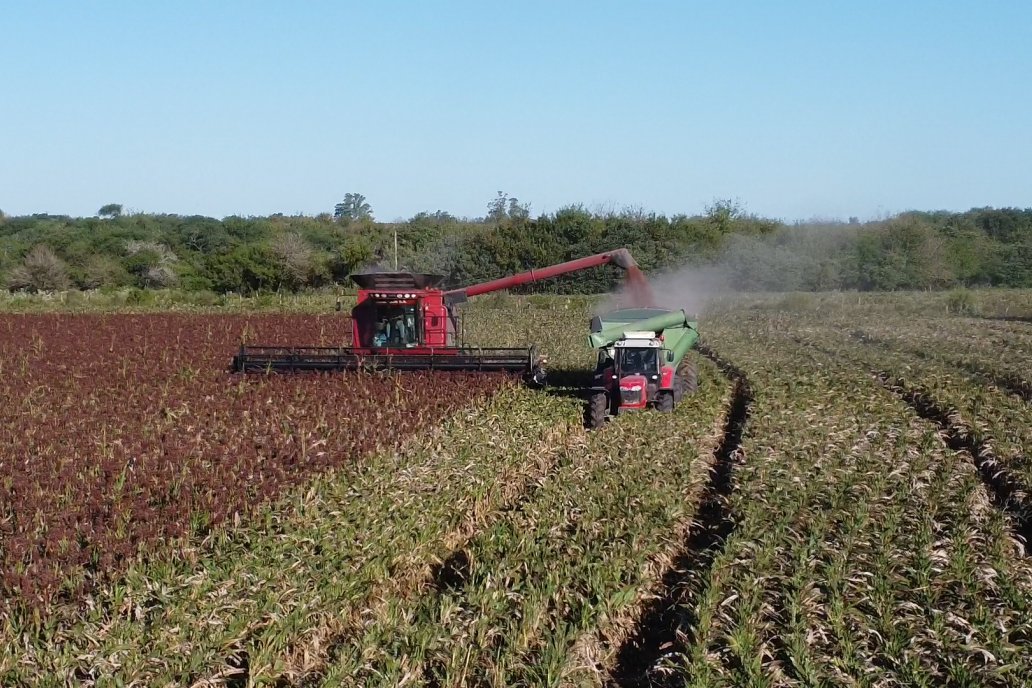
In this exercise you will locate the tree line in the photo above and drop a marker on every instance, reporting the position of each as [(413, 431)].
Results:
[(113, 250)]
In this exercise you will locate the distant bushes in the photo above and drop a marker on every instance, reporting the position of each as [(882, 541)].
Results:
[(914, 250), (41, 270)]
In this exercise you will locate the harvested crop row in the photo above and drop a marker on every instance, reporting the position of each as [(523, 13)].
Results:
[(1002, 360), (1005, 492), (865, 551), (515, 482), (254, 601), (1000, 424), (526, 589)]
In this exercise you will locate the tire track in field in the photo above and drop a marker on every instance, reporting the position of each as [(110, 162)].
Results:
[(453, 572), (596, 651), (1005, 491), (670, 614), (1023, 319), (1008, 382), (583, 649)]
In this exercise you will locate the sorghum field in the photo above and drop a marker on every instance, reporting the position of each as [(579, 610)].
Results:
[(845, 501)]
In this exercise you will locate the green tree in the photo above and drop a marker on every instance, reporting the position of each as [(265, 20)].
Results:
[(249, 268), (517, 211), (103, 271), (353, 207), (497, 208), (504, 209), (111, 210)]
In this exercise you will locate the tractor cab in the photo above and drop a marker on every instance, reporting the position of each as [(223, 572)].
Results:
[(637, 357), (631, 369), (395, 325)]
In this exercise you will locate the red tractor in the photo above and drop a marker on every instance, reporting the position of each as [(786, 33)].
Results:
[(405, 321), (641, 361)]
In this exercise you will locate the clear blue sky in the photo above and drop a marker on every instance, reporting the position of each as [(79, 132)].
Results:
[(798, 109)]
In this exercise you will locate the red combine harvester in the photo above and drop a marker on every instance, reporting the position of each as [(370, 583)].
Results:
[(405, 321)]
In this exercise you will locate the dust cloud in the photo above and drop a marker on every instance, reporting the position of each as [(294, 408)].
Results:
[(802, 257), (688, 288)]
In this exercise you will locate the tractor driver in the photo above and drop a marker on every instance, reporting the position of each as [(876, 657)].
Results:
[(640, 361), (410, 329)]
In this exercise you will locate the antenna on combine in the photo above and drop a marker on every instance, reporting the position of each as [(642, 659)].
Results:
[(395, 250)]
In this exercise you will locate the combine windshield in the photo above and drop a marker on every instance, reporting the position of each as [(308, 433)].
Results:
[(638, 361), (395, 326)]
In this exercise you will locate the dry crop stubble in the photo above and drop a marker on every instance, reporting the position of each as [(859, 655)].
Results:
[(993, 423), (521, 469), (863, 544), (575, 555)]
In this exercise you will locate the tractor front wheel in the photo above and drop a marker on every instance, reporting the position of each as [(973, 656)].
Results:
[(598, 409), (666, 402)]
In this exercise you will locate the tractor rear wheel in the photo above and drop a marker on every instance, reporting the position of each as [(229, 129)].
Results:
[(598, 409)]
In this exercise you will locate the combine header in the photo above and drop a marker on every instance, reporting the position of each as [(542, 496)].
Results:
[(405, 321)]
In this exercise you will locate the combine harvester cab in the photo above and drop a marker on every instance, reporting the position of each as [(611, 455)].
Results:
[(405, 321), (641, 361)]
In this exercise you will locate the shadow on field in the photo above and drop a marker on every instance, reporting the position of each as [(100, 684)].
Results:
[(572, 383), (569, 382), (1026, 319)]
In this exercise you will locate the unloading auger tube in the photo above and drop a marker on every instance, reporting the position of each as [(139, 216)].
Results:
[(405, 321), (621, 257)]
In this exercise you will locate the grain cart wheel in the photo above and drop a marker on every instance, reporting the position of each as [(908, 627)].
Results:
[(598, 409), (689, 379), (666, 402)]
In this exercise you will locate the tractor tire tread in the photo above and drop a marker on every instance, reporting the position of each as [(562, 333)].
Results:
[(666, 402), (689, 379), (598, 410)]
